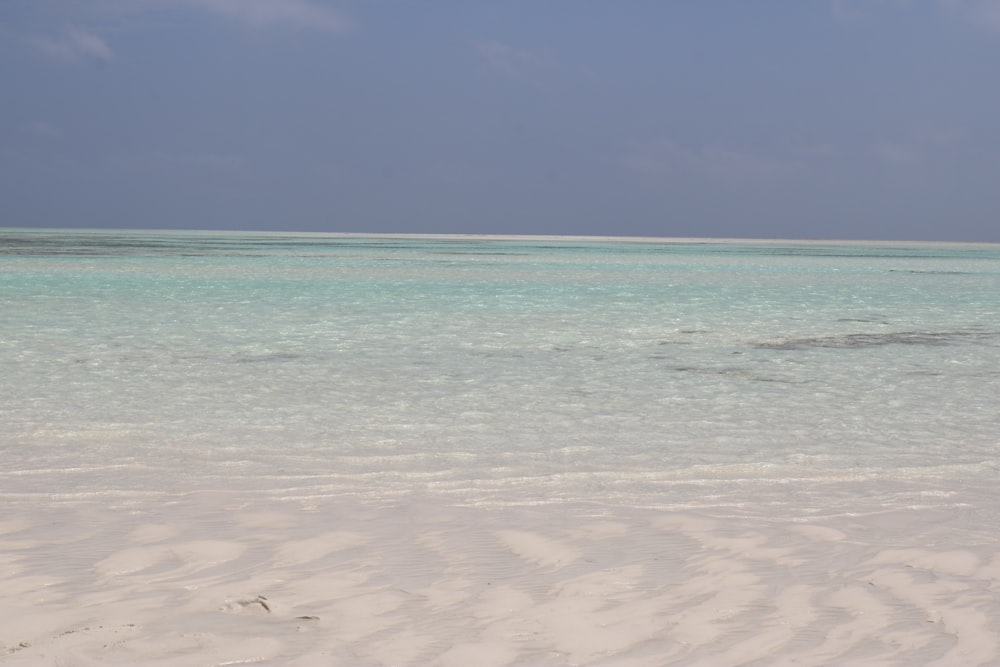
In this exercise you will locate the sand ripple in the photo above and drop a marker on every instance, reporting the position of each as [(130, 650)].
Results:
[(340, 584)]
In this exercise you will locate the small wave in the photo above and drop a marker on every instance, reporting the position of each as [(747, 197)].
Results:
[(277, 357)]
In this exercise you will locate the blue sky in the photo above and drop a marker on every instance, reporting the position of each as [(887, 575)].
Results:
[(875, 119)]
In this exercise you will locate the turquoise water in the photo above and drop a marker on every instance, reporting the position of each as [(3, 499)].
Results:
[(496, 371)]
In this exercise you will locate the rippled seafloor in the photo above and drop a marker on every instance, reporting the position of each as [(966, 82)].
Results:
[(498, 371)]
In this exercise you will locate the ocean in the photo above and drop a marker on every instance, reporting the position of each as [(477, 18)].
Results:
[(751, 384)]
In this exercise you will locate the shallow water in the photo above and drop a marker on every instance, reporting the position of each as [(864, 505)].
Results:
[(490, 370)]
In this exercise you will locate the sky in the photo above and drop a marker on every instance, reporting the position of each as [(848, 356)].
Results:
[(816, 119)]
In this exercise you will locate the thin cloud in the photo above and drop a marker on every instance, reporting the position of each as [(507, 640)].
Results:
[(528, 68), (896, 153), (506, 59), (214, 164), (212, 161), (72, 45), (665, 160), (984, 14), (844, 11), (852, 11), (920, 145), (43, 129), (817, 151), (266, 13)]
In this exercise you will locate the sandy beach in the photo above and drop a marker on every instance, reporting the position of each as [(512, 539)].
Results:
[(224, 579), (232, 449)]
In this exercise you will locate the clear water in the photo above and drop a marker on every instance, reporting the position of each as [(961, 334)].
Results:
[(484, 371)]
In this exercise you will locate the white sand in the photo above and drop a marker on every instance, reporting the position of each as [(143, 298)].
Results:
[(222, 580)]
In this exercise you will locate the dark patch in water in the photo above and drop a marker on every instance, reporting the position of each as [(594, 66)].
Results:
[(471, 252), (932, 273), (736, 373), (861, 320), (862, 340), (277, 357)]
